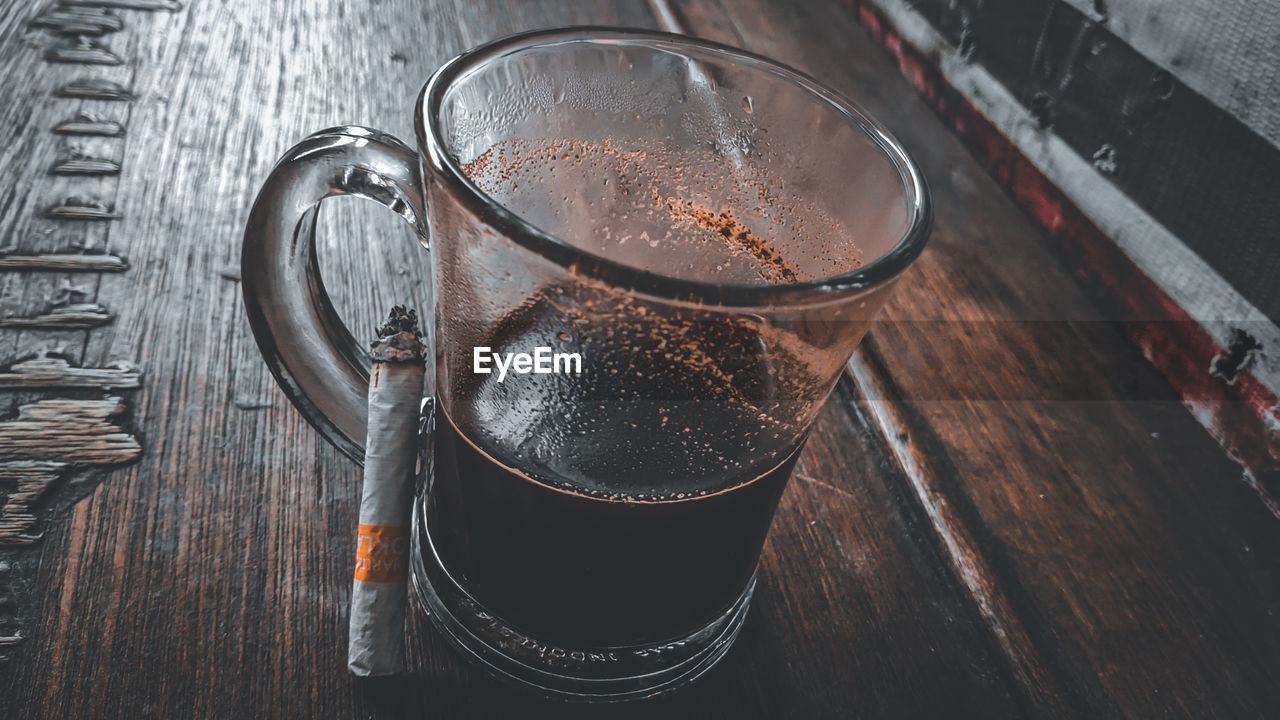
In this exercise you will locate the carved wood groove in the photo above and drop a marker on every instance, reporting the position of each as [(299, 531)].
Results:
[(165, 5), (79, 21), (85, 52), (53, 373), (90, 126), (63, 262), (94, 89), (86, 166), (80, 316), (82, 211)]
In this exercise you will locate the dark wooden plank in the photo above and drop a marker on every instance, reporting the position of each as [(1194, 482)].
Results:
[(1079, 501), (212, 577)]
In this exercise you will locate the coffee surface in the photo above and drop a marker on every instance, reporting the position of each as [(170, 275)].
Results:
[(666, 407)]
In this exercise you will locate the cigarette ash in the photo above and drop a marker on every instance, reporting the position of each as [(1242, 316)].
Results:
[(399, 339)]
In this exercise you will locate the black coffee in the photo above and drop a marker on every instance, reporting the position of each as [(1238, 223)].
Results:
[(579, 571), (624, 506)]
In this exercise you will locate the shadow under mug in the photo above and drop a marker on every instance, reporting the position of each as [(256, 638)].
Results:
[(595, 534)]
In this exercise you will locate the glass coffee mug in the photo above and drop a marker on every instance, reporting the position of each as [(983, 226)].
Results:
[(651, 257)]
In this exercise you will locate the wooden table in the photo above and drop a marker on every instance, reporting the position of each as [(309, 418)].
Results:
[(1003, 509)]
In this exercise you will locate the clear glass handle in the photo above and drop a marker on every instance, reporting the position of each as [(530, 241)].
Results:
[(320, 367)]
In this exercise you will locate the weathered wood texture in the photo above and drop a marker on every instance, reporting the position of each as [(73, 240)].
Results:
[(28, 480), (56, 373), (51, 260), (44, 440), (61, 426), (48, 453), (1019, 542), (77, 431), (71, 20)]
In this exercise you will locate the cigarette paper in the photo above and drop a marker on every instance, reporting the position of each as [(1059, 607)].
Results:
[(376, 640)]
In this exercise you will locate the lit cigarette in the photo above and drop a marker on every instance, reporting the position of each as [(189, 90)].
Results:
[(376, 640)]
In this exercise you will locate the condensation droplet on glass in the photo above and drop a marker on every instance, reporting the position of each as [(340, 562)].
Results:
[(748, 105)]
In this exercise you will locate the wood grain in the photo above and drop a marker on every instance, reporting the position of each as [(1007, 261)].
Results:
[(85, 166), (162, 5), (88, 125), (94, 89), (1045, 89), (83, 51)]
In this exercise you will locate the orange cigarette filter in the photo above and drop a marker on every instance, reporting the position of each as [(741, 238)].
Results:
[(382, 553)]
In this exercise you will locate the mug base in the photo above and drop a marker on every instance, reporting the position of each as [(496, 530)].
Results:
[(595, 674)]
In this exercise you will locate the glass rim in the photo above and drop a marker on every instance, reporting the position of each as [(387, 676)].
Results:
[(597, 266)]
